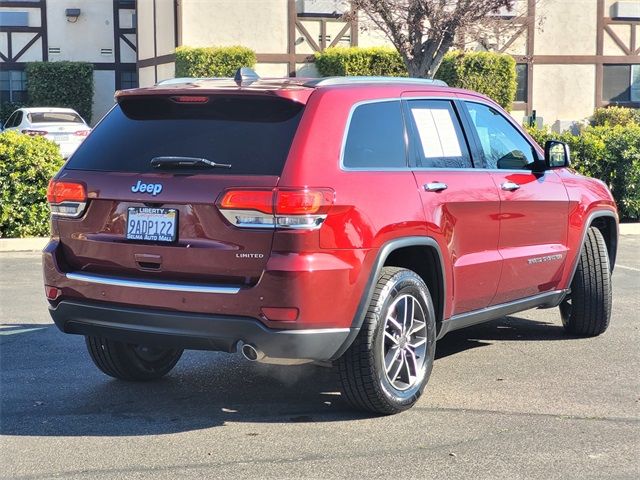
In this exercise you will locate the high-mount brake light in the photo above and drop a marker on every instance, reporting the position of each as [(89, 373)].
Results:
[(34, 133), (66, 199), (302, 208), (190, 99)]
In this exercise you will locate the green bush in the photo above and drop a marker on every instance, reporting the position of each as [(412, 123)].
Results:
[(374, 61), (492, 74), (61, 84), (611, 116), (26, 165), (7, 108), (212, 61), (609, 153)]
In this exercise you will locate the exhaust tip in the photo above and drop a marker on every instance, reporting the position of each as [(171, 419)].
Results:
[(251, 353)]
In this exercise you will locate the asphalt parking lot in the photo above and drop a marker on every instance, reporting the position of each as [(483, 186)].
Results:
[(514, 398)]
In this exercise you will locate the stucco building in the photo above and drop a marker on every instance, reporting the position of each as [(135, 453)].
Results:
[(102, 32), (572, 55)]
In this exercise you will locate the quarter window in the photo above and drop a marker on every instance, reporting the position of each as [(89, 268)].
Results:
[(376, 137), (503, 146), (440, 142)]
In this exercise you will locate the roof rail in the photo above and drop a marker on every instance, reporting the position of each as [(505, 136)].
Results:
[(331, 81)]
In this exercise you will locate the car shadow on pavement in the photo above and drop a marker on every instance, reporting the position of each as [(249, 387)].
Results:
[(50, 387), (505, 329)]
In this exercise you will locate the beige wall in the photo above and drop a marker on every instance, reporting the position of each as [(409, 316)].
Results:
[(103, 82), (563, 92), (146, 76), (258, 24), (568, 28), (145, 29), (267, 70), (82, 40), (166, 71), (165, 27)]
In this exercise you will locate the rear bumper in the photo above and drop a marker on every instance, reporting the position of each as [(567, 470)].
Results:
[(195, 331)]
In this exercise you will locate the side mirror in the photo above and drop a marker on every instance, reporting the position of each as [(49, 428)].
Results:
[(556, 154)]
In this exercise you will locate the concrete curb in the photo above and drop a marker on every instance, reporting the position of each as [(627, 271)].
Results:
[(630, 229), (31, 244), (34, 244)]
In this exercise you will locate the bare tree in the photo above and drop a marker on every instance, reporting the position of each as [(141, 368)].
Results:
[(424, 30)]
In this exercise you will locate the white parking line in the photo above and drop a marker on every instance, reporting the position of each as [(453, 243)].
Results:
[(6, 331), (628, 268)]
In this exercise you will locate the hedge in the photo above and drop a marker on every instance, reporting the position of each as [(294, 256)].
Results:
[(611, 116), (7, 108), (609, 153), (492, 74), (61, 84), (212, 61), (26, 165), (374, 61)]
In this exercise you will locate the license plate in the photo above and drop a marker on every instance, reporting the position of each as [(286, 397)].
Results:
[(152, 224), (61, 138)]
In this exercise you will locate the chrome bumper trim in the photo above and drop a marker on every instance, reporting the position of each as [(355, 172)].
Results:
[(151, 285)]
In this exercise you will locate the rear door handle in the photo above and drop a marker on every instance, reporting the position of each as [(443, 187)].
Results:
[(435, 186), (509, 186)]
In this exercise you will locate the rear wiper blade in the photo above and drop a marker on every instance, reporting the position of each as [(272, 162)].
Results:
[(185, 162)]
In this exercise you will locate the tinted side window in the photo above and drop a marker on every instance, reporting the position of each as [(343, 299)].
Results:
[(503, 146), (376, 137), (10, 120), (18, 119), (440, 141)]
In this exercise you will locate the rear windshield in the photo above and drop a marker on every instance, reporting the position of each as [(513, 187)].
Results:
[(252, 134), (54, 117)]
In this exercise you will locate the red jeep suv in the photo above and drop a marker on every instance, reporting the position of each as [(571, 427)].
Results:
[(347, 221)]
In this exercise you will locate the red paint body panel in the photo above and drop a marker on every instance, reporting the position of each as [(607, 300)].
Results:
[(464, 219), (486, 235), (533, 225)]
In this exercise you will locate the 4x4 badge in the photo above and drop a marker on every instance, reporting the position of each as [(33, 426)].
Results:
[(152, 188)]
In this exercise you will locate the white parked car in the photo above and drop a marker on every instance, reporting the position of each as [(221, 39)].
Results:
[(62, 125)]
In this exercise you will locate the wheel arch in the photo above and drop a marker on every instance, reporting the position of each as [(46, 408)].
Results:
[(406, 253), (607, 222)]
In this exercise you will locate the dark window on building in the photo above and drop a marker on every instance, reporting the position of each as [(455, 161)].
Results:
[(522, 82), (128, 80), (14, 19), (621, 83), (376, 137), (13, 86)]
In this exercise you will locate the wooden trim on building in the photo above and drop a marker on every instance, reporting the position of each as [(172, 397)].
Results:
[(155, 61), (9, 58), (120, 34)]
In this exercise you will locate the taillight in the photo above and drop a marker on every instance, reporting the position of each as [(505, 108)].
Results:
[(304, 208), (34, 133), (82, 133), (66, 199)]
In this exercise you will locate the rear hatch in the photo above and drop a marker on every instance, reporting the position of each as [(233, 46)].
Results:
[(128, 226)]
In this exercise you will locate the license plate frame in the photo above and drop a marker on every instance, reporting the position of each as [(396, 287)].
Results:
[(151, 224)]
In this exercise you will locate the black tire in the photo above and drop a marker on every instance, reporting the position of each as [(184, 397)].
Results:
[(131, 362), (587, 310), (366, 385)]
